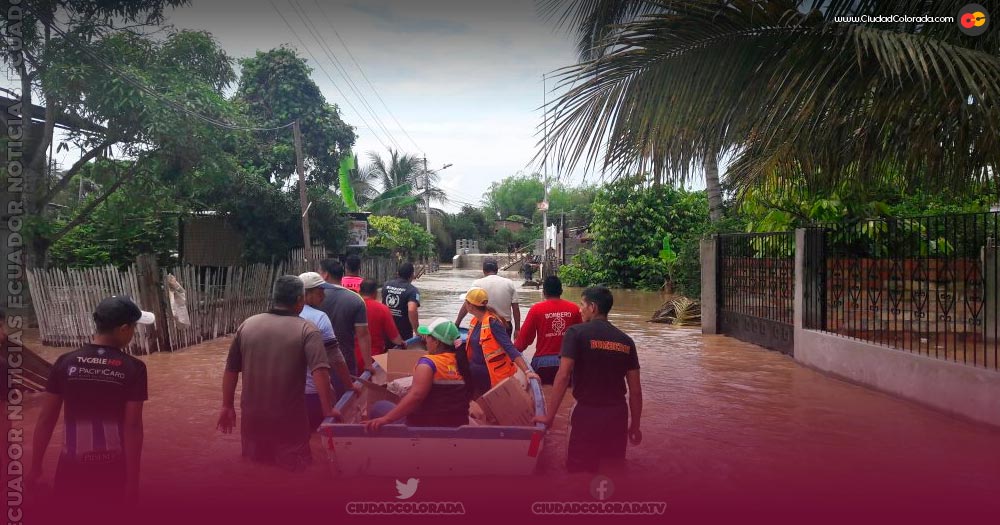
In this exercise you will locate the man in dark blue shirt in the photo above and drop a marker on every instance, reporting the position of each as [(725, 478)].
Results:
[(103, 389), (604, 365)]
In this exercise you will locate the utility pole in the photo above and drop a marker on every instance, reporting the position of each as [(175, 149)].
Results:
[(427, 195), (303, 199), (545, 167)]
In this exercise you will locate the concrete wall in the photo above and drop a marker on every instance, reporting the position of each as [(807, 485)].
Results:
[(471, 261), (963, 390), (959, 389), (709, 304)]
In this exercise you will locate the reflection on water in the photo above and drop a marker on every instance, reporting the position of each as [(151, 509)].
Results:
[(721, 418)]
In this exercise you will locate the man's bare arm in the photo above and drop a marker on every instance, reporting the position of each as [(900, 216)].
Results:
[(321, 378), (365, 343), (412, 312), (634, 405), (227, 418), (51, 406), (462, 312)]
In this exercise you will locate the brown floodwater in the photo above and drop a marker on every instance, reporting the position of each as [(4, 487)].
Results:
[(727, 425)]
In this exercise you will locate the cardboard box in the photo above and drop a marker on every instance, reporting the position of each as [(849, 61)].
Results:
[(395, 364), (370, 394), (507, 404)]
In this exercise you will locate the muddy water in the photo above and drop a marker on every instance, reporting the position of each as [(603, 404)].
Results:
[(725, 423)]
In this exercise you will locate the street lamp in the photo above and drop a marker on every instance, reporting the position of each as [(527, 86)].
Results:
[(427, 190)]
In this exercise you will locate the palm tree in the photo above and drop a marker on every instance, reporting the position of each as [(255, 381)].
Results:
[(398, 178), (779, 86)]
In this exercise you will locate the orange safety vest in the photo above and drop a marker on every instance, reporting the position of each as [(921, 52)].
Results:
[(447, 404), (446, 369), (498, 363)]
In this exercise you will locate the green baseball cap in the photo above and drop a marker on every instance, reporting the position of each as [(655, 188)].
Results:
[(441, 329)]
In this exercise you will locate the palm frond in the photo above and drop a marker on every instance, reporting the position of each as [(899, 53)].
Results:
[(780, 84)]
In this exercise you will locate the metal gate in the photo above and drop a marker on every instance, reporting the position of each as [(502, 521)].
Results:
[(756, 276)]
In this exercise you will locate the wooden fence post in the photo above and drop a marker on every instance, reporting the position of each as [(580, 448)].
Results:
[(151, 297)]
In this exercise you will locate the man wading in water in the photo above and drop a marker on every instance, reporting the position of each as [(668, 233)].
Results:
[(103, 389), (271, 350), (601, 360)]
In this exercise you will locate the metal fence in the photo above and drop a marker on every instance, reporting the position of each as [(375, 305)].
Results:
[(756, 279), (926, 285)]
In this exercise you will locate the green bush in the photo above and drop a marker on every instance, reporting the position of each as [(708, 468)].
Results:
[(400, 237), (630, 219)]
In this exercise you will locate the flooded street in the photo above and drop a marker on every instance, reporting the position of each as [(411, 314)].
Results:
[(725, 424)]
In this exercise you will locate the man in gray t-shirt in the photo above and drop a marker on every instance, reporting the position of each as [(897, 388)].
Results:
[(271, 350), (348, 314)]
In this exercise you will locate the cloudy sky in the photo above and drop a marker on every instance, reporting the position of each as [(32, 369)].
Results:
[(463, 79)]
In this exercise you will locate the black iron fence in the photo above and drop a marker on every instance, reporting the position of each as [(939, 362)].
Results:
[(926, 285), (756, 279)]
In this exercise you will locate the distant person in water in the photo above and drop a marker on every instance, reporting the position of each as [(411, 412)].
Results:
[(346, 311), (441, 391), (547, 323), (352, 274), (380, 323), (313, 285), (271, 350), (604, 365), (403, 300), (503, 297), (103, 389)]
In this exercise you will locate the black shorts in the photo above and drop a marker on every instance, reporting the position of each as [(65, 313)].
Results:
[(596, 433), (547, 374)]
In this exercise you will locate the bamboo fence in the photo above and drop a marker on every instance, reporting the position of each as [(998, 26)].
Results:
[(217, 299)]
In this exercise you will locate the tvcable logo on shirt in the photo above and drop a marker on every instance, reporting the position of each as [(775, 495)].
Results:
[(99, 361)]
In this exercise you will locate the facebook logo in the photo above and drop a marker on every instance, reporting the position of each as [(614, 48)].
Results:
[(601, 488)]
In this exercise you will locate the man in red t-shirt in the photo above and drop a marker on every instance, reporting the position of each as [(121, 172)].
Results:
[(548, 321), (352, 278), (380, 324)]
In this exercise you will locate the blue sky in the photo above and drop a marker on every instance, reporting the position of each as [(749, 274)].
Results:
[(464, 79)]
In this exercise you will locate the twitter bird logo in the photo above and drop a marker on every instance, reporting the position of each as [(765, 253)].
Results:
[(408, 489)]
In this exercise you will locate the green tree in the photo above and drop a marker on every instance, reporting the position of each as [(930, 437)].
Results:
[(631, 218), (139, 218), (276, 88), (777, 85), (401, 182), (57, 69), (399, 237), (519, 195)]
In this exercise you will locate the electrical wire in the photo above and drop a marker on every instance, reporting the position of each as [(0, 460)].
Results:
[(327, 74), (339, 66), (365, 76)]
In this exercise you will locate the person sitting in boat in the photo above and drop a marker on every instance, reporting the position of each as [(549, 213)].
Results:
[(440, 394), (492, 355)]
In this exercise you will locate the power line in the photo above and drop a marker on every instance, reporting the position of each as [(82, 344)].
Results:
[(326, 49), (323, 69), (150, 91), (365, 76)]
